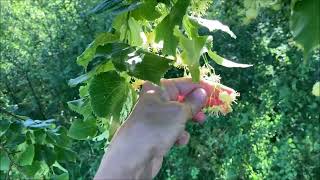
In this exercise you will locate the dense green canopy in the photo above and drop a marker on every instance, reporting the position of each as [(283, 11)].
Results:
[(63, 64)]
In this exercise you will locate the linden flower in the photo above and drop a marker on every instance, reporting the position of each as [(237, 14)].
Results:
[(137, 84), (206, 74), (221, 99)]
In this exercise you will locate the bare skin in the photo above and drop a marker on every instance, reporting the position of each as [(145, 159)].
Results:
[(156, 123)]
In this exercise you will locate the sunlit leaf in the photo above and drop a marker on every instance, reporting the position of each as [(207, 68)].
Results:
[(212, 25), (316, 89), (192, 48), (151, 67), (164, 31), (225, 62), (89, 53), (135, 33)]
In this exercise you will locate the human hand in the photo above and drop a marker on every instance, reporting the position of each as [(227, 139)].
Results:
[(156, 123)]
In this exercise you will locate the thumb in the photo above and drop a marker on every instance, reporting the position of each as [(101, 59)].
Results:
[(196, 100)]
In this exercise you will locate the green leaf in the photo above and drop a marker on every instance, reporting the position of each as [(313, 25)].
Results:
[(4, 126), (108, 92), (128, 105), (57, 165), (126, 8), (104, 67), (89, 53), (143, 65), (40, 136), (63, 176), (13, 138), (192, 50), (25, 157), (65, 155), (37, 170), (45, 153), (135, 33), (84, 91), (4, 161), (82, 130), (105, 5), (225, 62), (60, 137), (31, 170), (164, 30), (152, 67), (212, 25), (114, 7), (118, 52), (146, 11), (81, 106), (78, 80), (305, 24)]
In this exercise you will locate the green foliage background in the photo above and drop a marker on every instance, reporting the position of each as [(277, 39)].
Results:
[(273, 132)]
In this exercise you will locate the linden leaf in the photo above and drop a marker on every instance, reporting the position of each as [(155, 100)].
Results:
[(108, 92), (151, 67), (89, 53)]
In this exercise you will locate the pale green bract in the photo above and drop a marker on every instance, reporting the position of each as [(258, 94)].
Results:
[(225, 62)]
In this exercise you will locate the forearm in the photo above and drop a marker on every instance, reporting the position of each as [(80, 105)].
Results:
[(127, 158)]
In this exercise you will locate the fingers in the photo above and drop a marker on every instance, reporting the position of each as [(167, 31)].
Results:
[(170, 88), (200, 117), (150, 88), (183, 138), (156, 163), (184, 91), (179, 87), (196, 100)]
